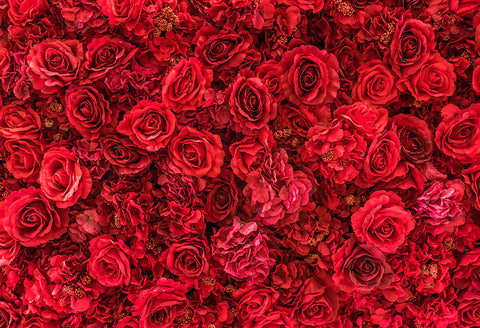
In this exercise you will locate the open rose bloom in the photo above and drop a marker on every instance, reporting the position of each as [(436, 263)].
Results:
[(239, 163)]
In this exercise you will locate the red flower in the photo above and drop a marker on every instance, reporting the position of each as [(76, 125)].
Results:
[(62, 178), (361, 268), (30, 218), (383, 222), (310, 76), (110, 261), (150, 125), (197, 153), (54, 64), (160, 305), (184, 86)]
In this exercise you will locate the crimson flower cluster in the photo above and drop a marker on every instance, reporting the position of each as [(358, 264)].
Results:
[(239, 163)]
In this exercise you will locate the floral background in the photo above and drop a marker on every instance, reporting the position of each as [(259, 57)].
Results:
[(239, 163)]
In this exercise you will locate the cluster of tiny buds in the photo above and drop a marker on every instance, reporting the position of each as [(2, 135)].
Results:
[(55, 106), (387, 37), (344, 7), (165, 22), (187, 317), (449, 245), (328, 156), (175, 60), (311, 259), (153, 247)]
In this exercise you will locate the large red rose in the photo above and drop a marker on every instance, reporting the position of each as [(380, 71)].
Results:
[(316, 304), (223, 197), (183, 87), (375, 84), (251, 104), (125, 157), (187, 258), (435, 79), (24, 159), (87, 110), (310, 76), (31, 219), (381, 160), (254, 302), (472, 180), (54, 64), (458, 134), (415, 137), (412, 44), (250, 153), (160, 305), (62, 178), (110, 261), (383, 222), (19, 122), (221, 49), (24, 12), (150, 125), (197, 153), (360, 268), (104, 55)]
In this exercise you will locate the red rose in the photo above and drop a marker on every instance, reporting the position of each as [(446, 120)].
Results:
[(269, 73), (469, 308), (24, 158), (310, 76), (435, 79), (368, 121), (110, 261), (10, 314), (250, 153), (9, 247), (222, 198), (221, 49), (19, 122), (62, 178), (316, 304), (411, 46), (375, 84), (150, 125), (124, 13), (31, 218), (183, 87), (383, 222), (87, 110), (187, 258), (381, 160), (53, 64), (160, 305), (252, 105), (242, 252), (197, 153), (125, 157), (301, 118), (254, 302), (466, 273), (415, 137), (360, 268), (23, 12), (104, 55), (458, 134), (471, 177)]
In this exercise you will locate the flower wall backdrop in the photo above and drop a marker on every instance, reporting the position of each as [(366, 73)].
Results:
[(239, 163)]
